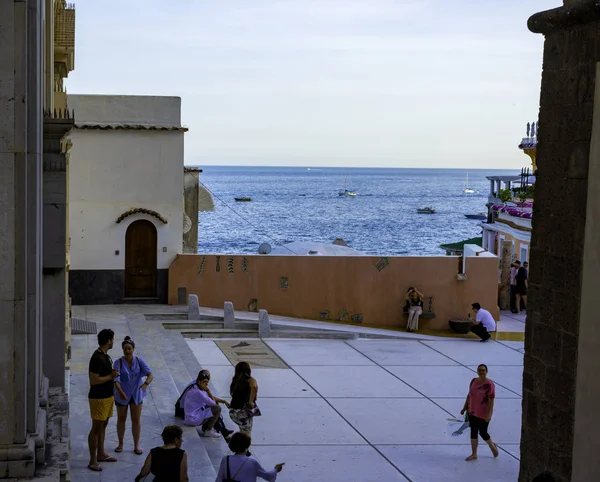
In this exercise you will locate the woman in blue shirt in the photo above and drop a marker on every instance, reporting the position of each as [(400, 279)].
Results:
[(130, 390)]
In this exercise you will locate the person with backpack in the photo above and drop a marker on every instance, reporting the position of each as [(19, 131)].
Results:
[(130, 389), (240, 467), (200, 407)]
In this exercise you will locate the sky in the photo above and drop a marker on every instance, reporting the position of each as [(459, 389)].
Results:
[(348, 83)]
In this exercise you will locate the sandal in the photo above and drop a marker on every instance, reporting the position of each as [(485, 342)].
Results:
[(108, 459), (471, 457), (95, 468), (138, 451), (119, 449)]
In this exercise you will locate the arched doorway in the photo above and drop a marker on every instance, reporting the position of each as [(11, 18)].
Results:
[(140, 260)]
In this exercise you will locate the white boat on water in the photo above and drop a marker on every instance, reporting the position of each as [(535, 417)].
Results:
[(467, 189), (426, 210), (345, 191)]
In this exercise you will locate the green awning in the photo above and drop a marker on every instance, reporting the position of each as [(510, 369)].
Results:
[(460, 246)]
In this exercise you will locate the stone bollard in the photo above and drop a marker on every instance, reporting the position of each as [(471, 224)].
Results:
[(264, 325), (228, 316), (193, 307)]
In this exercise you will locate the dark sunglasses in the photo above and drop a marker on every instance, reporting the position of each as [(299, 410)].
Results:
[(204, 376)]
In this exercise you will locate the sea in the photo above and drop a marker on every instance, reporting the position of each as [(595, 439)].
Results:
[(302, 204)]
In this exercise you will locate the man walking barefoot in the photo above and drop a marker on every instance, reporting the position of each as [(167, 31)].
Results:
[(101, 398)]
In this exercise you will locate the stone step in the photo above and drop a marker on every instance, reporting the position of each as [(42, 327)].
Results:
[(314, 334), (222, 333)]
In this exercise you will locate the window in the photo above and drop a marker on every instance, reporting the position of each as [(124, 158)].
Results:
[(524, 253)]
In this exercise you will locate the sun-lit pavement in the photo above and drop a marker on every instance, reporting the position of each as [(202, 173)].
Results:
[(357, 410)]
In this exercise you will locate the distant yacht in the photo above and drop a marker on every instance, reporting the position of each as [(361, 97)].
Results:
[(345, 191), (467, 189), (479, 216), (426, 210)]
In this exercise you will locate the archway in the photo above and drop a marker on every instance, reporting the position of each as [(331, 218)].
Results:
[(140, 260)]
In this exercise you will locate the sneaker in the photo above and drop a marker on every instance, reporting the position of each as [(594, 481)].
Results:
[(211, 433), (485, 339)]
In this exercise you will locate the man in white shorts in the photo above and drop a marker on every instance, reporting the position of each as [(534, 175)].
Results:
[(485, 322)]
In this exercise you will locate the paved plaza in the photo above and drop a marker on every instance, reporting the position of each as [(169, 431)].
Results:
[(337, 410)]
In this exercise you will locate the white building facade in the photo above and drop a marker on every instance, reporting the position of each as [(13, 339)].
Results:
[(125, 197)]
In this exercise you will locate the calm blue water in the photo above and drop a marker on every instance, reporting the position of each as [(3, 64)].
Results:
[(296, 204)]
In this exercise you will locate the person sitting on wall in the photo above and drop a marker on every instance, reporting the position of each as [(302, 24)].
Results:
[(201, 407), (414, 307), (485, 322)]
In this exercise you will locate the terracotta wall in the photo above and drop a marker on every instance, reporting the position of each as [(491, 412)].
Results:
[(335, 285)]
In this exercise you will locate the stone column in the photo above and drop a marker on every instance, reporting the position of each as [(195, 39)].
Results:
[(56, 125), (505, 256), (560, 380), (21, 70), (190, 201)]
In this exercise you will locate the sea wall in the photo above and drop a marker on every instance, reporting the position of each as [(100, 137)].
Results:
[(356, 289)]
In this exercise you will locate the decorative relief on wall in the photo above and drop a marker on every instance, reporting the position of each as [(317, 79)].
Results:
[(149, 212), (343, 315), (201, 266), (382, 263), (230, 265), (218, 268), (430, 304), (245, 265), (253, 305), (357, 318), (284, 282)]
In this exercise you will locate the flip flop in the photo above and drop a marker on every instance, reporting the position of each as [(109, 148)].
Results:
[(95, 468), (138, 451), (108, 459), (471, 457), (119, 449)]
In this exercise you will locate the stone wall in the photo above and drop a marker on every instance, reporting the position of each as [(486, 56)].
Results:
[(552, 344)]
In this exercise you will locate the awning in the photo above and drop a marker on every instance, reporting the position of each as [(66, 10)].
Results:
[(460, 246)]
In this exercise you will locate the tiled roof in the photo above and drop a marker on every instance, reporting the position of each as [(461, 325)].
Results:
[(128, 127)]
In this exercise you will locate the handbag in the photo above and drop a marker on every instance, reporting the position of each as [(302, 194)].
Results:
[(232, 479), (253, 412)]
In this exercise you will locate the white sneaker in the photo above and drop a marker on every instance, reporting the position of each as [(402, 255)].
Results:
[(211, 433)]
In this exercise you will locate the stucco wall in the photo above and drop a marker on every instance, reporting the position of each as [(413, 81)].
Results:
[(111, 172), (336, 283), (126, 109)]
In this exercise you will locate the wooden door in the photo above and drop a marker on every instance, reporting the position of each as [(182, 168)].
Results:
[(140, 260)]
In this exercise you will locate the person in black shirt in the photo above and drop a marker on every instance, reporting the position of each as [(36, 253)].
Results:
[(101, 398), (521, 288), (167, 463)]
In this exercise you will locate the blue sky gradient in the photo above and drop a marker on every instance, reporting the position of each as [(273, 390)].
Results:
[(404, 83)]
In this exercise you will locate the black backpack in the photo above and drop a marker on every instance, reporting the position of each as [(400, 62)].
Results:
[(179, 412)]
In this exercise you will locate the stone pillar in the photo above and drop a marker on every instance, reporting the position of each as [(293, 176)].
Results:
[(560, 380), (21, 72), (56, 125), (264, 324), (193, 308), (505, 256), (190, 198), (228, 316)]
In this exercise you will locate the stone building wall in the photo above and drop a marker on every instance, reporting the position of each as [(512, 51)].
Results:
[(552, 343)]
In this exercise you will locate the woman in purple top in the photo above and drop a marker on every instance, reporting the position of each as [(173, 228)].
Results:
[(240, 467), (130, 391), (200, 407)]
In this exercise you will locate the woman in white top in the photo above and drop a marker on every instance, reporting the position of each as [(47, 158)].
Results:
[(240, 467)]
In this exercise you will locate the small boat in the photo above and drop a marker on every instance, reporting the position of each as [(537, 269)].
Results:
[(467, 189), (345, 191), (426, 210), (480, 216), (243, 199)]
